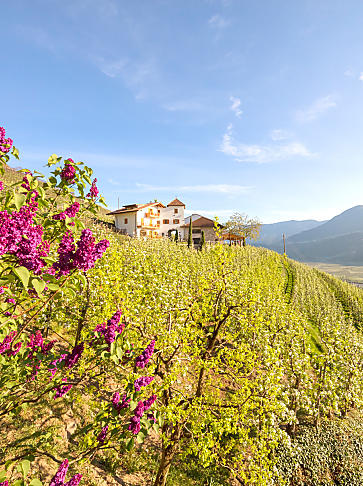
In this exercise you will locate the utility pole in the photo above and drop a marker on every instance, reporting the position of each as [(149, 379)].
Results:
[(118, 203), (283, 237)]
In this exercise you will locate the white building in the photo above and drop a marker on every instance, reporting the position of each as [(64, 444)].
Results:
[(152, 220)]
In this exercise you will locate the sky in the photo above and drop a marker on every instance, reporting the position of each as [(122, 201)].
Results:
[(250, 106)]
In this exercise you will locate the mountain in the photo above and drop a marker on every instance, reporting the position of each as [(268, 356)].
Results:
[(339, 240), (271, 234), (348, 222)]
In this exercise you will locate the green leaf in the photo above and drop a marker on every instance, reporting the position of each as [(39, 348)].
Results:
[(25, 467), (140, 437), (35, 482), (2, 475), (19, 482), (130, 444), (15, 152), (39, 286), (19, 200), (23, 274), (53, 287)]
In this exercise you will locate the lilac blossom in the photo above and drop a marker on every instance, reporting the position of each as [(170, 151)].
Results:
[(72, 358), (142, 360), (69, 171), (116, 401), (74, 481), (60, 475), (62, 390), (134, 425), (4, 483), (1, 185), (70, 212), (149, 402), (142, 381), (2, 290), (5, 143), (6, 344), (93, 192), (102, 435), (108, 330), (13, 352)]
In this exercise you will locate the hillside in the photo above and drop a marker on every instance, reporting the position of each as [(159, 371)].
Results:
[(289, 323), (271, 234)]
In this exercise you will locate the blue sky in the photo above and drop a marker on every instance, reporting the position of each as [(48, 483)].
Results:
[(252, 106)]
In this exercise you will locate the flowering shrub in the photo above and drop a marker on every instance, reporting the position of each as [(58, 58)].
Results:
[(45, 253)]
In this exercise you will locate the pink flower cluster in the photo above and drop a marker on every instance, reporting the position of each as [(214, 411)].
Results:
[(102, 435), (116, 401), (142, 360), (70, 212), (5, 345), (84, 257), (142, 381), (69, 171), (108, 330), (93, 192), (19, 236), (1, 185), (59, 477), (141, 407), (5, 143)]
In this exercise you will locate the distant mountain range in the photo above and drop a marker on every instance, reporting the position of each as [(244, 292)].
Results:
[(339, 240)]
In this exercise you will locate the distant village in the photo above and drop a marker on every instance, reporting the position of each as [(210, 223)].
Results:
[(155, 220)]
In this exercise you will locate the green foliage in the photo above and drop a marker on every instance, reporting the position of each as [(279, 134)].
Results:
[(190, 234)]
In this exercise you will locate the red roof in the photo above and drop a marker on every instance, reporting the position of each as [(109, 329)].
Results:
[(201, 222), (176, 202), (130, 208)]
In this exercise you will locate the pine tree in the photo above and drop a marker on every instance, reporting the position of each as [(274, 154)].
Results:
[(176, 238), (202, 241), (190, 236)]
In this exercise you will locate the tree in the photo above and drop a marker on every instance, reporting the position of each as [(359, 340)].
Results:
[(190, 235), (176, 238), (241, 225), (202, 241)]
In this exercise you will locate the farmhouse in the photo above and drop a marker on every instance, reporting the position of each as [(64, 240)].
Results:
[(199, 224), (151, 220)]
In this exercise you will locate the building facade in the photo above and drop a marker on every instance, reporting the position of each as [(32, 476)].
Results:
[(151, 220)]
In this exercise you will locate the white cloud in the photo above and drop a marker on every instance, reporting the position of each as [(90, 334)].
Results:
[(316, 109), (279, 134), (137, 75), (218, 22), (230, 189), (260, 154), (235, 107), (361, 77)]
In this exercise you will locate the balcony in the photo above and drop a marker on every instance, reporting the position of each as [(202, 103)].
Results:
[(152, 214), (149, 225)]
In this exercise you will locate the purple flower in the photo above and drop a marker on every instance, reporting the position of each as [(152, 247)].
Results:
[(142, 381), (102, 435), (5, 143), (1, 188), (62, 390), (74, 481), (6, 344), (93, 192), (1, 290), (134, 425), (60, 475), (4, 483), (70, 212), (116, 401), (108, 330), (10, 301), (149, 402), (142, 360), (68, 171), (16, 349), (72, 358)]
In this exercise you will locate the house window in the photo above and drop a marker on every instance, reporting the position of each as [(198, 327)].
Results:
[(126, 220), (175, 211), (165, 221), (175, 221), (195, 231)]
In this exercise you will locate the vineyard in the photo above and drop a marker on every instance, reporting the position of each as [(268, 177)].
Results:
[(150, 363)]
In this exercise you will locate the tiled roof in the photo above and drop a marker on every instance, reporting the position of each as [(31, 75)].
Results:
[(176, 202), (132, 208), (201, 222)]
